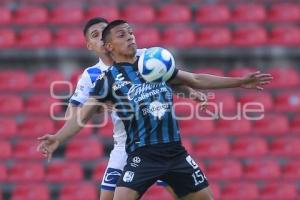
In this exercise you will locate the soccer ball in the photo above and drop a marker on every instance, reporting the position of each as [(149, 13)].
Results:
[(156, 64)]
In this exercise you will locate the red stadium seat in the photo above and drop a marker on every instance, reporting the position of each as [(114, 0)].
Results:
[(69, 38), (6, 150), (34, 127), (285, 36), (36, 191), (138, 14), (75, 77), (287, 102), (261, 170), (11, 105), (208, 148), (214, 37), (249, 36), (248, 147), (284, 12), (78, 192), (172, 13), (224, 170), (286, 191), (26, 172), (221, 103), (209, 70), (215, 189), (3, 173), (8, 128), (156, 193), (291, 170), (179, 37), (188, 128), (242, 71), (43, 79), (99, 170), (35, 38), (271, 125), (109, 12), (41, 105), (106, 129), (184, 106), (285, 147), (26, 150), (284, 77), (66, 15), (233, 127), (256, 100), (249, 13), (13, 81), (84, 150), (295, 125), (85, 132), (212, 14), (64, 172), (5, 15), (147, 36), (7, 38), (240, 190), (30, 15)]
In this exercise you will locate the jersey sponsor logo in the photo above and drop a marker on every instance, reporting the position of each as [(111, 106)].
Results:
[(101, 76), (156, 109), (191, 161), (128, 176), (119, 85), (136, 159), (112, 175), (120, 77)]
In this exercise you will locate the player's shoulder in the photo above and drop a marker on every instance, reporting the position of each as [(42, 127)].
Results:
[(94, 71)]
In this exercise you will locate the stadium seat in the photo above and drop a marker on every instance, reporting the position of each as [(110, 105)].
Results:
[(43, 79), (6, 150), (241, 71), (215, 189), (214, 37), (41, 105), (249, 147), (285, 36), (233, 127), (78, 192), (8, 128), (84, 150), (278, 190), (26, 172), (109, 12), (179, 37), (212, 14), (295, 125), (240, 190), (7, 38), (248, 13), (221, 103), (66, 15), (284, 12), (30, 15), (31, 191), (26, 150), (35, 38), (291, 170), (69, 38), (174, 13), (287, 102), (212, 148), (224, 170), (11, 105), (209, 70), (188, 145), (147, 36), (5, 15), (106, 129), (138, 14), (184, 106), (61, 172), (262, 99), (3, 173), (156, 193), (187, 127), (284, 77), (75, 77), (99, 170), (34, 127), (249, 36), (271, 125), (85, 132), (261, 170), (14, 81), (286, 147)]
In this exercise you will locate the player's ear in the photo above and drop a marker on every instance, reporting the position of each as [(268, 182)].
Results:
[(89, 46), (108, 46)]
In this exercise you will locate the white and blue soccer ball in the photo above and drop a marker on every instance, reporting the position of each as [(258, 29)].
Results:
[(156, 64)]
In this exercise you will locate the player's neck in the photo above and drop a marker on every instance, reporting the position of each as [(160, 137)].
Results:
[(123, 58), (106, 59)]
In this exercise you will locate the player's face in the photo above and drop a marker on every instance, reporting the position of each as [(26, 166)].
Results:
[(94, 38), (123, 40)]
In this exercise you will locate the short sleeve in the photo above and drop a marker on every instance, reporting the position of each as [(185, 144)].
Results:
[(173, 75)]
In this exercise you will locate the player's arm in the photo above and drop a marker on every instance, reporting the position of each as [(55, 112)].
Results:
[(254, 80)]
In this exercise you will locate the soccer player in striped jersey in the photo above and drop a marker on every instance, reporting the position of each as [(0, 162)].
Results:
[(153, 139), (93, 33)]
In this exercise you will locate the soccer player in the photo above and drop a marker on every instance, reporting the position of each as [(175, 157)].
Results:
[(153, 140), (93, 33)]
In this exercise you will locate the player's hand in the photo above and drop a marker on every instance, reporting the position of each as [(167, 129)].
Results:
[(48, 144), (201, 98), (256, 80)]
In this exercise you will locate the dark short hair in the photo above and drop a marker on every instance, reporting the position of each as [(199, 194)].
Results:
[(110, 26), (93, 21)]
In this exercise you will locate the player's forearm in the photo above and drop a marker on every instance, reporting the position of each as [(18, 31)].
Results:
[(207, 81)]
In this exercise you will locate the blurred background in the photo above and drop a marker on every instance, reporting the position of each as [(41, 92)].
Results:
[(41, 41)]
